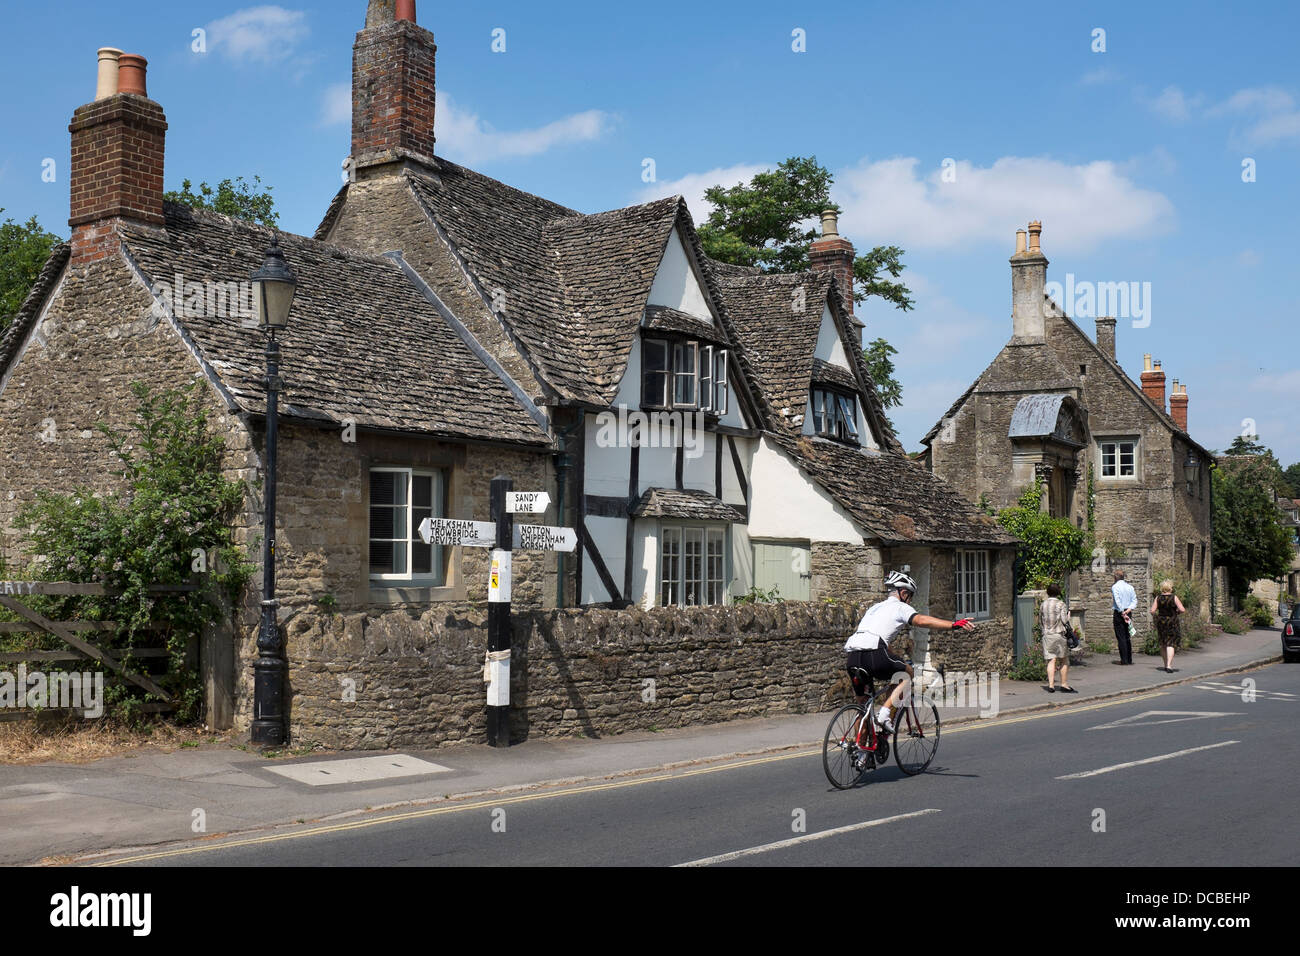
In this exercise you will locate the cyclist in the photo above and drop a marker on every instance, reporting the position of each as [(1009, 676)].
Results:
[(868, 647)]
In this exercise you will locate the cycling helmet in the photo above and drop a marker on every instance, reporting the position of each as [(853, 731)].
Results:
[(897, 580)]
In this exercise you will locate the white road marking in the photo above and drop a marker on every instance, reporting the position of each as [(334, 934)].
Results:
[(1171, 717), (808, 838), (1138, 763), (1219, 687), (324, 773)]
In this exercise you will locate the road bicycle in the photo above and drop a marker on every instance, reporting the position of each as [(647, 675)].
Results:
[(854, 744)]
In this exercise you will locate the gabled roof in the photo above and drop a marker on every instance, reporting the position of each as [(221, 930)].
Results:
[(687, 504), (363, 343), (894, 498), (14, 336), (777, 317)]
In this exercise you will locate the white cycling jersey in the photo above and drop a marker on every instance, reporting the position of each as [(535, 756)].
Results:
[(880, 624)]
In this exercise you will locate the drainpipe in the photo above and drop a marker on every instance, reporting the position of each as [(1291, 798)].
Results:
[(562, 463)]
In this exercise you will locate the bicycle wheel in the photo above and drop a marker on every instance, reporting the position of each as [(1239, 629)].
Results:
[(839, 749), (916, 736)]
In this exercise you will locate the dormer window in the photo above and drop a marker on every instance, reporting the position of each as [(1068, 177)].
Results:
[(679, 373), (835, 415)]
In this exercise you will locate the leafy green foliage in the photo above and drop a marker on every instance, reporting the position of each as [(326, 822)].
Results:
[(1257, 612), (757, 595), (1190, 590), (1053, 547), (1292, 477), (1031, 665), (1249, 537), (175, 502), (1233, 622), (766, 223), (235, 198), (24, 247)]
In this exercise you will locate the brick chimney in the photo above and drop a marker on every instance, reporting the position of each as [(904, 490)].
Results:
[(1178, 406), (1153, 382), (831, 252), (1106, 335), (392, 88), (118, 145), (1028, 279)]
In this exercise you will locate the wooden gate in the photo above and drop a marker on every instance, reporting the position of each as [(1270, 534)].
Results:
[(77, 635)]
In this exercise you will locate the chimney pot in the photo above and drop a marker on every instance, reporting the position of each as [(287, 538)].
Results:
[(1035, 233), (405, 10), (106, 84), (1020, 242), (1146, 362), (132, 74), (830, 223)]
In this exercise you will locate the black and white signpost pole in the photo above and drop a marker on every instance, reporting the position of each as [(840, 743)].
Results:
[(498, 658)]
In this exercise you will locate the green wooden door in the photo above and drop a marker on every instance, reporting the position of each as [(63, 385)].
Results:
[(786, 565)]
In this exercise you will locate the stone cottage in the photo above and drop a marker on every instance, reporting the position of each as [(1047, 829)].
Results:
[(1056, 405), (449, 328)]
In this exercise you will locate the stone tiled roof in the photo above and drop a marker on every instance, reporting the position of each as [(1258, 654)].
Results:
[(660, 317), (363, 343), (686, 504), (30, 310), (893, 497), (571, 288), (827, 374), (776, 318)]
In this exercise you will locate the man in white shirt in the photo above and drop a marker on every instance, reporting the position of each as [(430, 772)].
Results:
[(868, 647), (1124, 601)]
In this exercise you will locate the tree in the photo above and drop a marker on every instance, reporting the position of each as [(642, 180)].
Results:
[(237, 199), (1292, 476), (24, 248), (767, 224), (1246, 445), (1249, 537)]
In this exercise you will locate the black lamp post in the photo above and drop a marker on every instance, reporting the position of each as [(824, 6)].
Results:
[(274, 286), (1191, 469)]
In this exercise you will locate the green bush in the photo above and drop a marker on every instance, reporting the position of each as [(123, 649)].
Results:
[(1195, 630), (1053, 547), (1233, 622), (1032, 665), (172, 512), (1257, 611), (1151, 644), (756, 595)]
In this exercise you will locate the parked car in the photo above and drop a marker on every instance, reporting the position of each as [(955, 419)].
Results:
[(1291, 636)]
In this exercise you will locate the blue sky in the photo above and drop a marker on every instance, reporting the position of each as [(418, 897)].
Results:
[(1132, 157)]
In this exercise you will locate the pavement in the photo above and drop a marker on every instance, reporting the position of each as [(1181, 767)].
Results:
[(55, 812)]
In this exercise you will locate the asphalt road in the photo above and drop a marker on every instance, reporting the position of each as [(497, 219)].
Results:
[(1190, 776)]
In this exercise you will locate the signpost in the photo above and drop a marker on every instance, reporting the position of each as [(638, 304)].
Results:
[(502, 535), (527, 502)]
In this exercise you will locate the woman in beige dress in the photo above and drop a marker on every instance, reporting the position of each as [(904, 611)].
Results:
[(1054, 615)]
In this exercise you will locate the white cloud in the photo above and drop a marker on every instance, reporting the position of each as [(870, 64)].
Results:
[(1098, 76), (1258, 99), (267, 34), (336, 105), (1173, 104), (895, 201), (693, 185), (1272, 129), (462, 135)]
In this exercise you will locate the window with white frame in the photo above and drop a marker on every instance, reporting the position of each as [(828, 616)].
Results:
[(684, 374), (835, 415), (972, 584), (1118, 457), (692, 565), (400, 499)]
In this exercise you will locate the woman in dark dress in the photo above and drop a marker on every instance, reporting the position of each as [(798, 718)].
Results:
[(1166, 608)]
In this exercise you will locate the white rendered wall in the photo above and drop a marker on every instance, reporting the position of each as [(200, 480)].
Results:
[(830, 347), (675, 285), (786, 503), (609, 537)]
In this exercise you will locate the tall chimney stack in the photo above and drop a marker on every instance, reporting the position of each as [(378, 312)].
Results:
[(1153, 382), (118, 147), (831, 252), (392, 88), (1106, 335), (1028, 280), (1178, 406)]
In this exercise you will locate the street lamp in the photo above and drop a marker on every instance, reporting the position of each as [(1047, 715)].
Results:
[(1191, 469), (274, 286)]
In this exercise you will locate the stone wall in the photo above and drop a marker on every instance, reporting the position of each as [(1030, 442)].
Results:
[(846, 572), (417, 677), (990, 647)]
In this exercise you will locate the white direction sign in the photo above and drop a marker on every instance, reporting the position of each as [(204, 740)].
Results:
[(540, 537), (452, 531), (527, 502)]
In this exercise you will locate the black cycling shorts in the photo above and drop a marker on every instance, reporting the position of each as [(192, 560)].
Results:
[(879, 663)]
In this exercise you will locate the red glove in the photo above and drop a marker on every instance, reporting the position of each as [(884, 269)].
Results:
[(963, 622)]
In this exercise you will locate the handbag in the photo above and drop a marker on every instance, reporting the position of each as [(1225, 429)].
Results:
[(1071, 638)]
